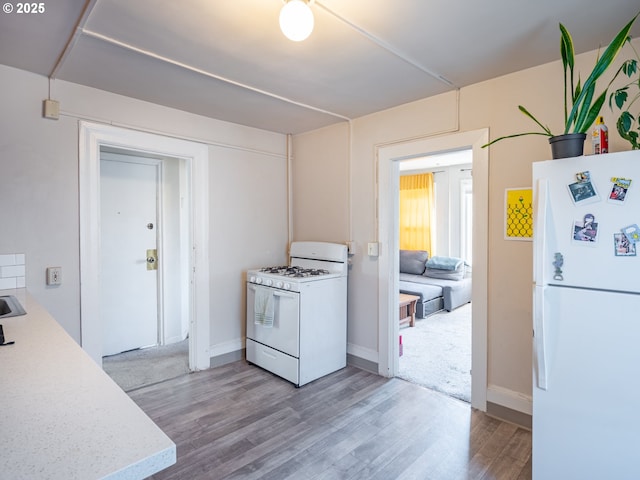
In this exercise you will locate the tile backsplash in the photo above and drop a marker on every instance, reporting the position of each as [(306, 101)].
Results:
[(12, 270)]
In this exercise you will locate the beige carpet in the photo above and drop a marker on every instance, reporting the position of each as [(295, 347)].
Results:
[(437, 353), (146, 366)]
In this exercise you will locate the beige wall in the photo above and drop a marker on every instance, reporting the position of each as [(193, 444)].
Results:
[(330, 222), (39, 208), (491, 104)]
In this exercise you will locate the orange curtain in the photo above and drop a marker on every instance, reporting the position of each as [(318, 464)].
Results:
[(416, 208)]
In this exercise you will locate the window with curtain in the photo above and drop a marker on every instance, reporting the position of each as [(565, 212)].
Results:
[(416, 212)]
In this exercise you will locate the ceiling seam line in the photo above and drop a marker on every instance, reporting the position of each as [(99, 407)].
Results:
[(84, 16), (386, 46), (206, 73)]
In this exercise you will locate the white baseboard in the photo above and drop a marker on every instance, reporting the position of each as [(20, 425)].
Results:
[(361, 352), (510, 399), (174, 339), (226, 347)]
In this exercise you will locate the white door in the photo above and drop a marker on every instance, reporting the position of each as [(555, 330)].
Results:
[(129, 291)]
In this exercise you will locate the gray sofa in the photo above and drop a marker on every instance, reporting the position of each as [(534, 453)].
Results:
[(442, 283)]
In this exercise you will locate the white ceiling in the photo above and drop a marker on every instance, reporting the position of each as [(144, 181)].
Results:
[(227, 59), (458, 157)]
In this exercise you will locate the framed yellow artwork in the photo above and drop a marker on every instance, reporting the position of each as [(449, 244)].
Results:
[(518, 215)]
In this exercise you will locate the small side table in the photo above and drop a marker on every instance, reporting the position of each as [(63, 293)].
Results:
[(408, 309)]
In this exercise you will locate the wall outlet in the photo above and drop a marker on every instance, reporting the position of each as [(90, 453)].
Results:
[(54, 275)]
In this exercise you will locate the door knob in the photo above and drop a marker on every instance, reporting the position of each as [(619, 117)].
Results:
[(152, 259)]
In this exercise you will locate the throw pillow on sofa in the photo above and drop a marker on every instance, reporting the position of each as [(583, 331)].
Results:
[(446, 268), (413, 261)]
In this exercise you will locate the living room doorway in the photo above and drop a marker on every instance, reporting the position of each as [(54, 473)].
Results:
[(389, 158), (435, 217)]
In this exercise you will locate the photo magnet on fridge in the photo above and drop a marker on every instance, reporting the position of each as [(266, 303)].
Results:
[(583, 191), (586, 230), (632, 233), (619, 189), (623, 247)]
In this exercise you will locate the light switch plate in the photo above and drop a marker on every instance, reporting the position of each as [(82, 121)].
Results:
[(373, 249), (351, 248), (54, 275)]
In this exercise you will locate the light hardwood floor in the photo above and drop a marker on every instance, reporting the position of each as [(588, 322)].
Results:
[(241, 422)]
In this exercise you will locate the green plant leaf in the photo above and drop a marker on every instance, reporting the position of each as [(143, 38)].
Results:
[(582, 113), (626, 120), (513, 136), (578, 91), (593, 113), (623, 125), (630, 67), (528, 114), (568, 59), (619, 96), (601, 66)]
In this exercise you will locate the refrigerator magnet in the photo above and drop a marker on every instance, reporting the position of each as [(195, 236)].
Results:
[(586, 230), (619, 190), (623, 247), (558, 261), (583, 191), (632, 232)]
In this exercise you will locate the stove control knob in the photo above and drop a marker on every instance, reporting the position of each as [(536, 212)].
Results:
[(258, 280), (252, 279), (287, 286), (278, 284), (268, 282)]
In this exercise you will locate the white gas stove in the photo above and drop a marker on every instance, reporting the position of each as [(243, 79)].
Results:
[(288, 277), (297, 313)]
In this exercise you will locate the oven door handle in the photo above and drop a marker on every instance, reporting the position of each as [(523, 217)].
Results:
[(276, 293), (284, 294)]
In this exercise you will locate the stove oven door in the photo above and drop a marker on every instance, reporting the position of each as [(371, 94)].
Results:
[(284, 334)]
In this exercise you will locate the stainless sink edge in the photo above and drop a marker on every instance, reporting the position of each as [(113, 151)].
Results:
[(14, 305)]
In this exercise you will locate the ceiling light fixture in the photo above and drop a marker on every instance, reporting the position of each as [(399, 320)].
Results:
[(296, 19)]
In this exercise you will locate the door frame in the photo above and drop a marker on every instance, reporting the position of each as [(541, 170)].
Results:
[(92, 136), (388, 158)]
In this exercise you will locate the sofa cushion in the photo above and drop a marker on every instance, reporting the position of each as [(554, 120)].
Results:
[(445, 263), (424, 291), (446, 268), (444, 274), (413, 261)]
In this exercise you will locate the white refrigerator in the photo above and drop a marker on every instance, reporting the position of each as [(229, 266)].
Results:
[(586, 318)]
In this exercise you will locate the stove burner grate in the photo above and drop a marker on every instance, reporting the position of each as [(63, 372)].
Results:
[(297, 272)]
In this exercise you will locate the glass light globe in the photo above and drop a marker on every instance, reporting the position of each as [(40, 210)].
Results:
[(296, 20)]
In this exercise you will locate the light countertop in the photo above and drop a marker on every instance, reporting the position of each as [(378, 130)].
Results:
[(61, 415)]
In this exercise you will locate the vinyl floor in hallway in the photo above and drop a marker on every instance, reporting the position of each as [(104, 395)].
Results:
[(241, 422)]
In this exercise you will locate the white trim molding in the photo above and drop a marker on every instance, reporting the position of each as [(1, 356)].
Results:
[(388, 157), (510, 399), (361, 352), (91, 137)]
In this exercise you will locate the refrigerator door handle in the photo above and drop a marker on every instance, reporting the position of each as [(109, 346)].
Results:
[(540, 358), (539, 225)]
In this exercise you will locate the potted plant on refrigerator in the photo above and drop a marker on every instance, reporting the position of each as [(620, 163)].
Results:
[(628, 126), (581, 106)]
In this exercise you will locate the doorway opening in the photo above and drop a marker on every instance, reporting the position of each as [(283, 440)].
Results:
[(435, 218), (389, 158), (144, 240), (194, 286)]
